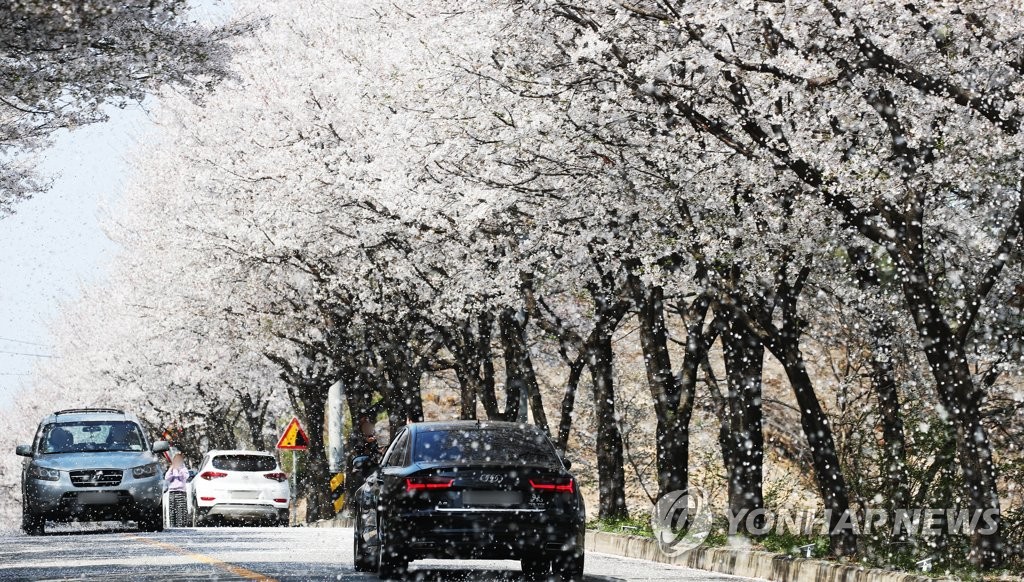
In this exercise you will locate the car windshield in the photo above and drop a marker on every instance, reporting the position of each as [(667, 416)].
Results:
[(244, 463), (89, 436), (486, 445)]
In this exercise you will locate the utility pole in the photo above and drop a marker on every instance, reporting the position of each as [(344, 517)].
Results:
[(335, 427)]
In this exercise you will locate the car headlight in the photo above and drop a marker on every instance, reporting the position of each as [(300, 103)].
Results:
[(43, 473), (144, 471)]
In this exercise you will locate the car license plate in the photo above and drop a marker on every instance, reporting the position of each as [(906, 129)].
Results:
[(97, 497), (245, 494), (493, 498)]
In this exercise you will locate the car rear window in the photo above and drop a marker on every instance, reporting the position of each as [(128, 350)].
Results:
[(484, 445), (244, 463)]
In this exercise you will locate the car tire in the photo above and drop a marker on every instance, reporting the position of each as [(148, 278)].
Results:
[(283, 518), (31, 524), (569, 566), (536, 568), (195, 517), (151, 522), (364, 561), (393, 564)]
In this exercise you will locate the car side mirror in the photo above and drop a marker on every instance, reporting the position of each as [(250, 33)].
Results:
[(161, 446), (567, 464), (362, 465), (23, 450), (191, 475)]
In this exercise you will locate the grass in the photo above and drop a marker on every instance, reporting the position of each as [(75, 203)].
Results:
[(796, 545), (639, 525)]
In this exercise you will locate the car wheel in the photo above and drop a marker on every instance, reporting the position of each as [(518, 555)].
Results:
[(569, 566), (33, 525), (195, 517), (151, 522), (536, 568), (364, 560), (282, 518), (393, 563)]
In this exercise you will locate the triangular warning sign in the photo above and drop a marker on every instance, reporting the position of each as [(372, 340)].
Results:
[(293, 438)]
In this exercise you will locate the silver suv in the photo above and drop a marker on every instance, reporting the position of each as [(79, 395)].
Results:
[(91, 464)]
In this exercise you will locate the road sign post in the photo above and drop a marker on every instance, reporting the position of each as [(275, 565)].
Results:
[(295, 487), (294, 439)]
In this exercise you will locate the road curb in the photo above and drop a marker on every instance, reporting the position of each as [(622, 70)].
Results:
[(335, 522), (747, 563)]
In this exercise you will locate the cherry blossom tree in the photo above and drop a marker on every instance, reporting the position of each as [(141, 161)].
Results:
[(64, 62), (900, 119)]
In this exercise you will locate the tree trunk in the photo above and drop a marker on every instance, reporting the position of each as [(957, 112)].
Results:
[(403, 381), (827, 471), (317, 475), (255, 416), (520, 378), (672, 396), (483, 366), (394, 401), (568, 341), (784, 343), (961, 399), (597, 354), (883, 382), (610, 464), (468, 390), (741, 435), (219, 431), (471, 348), (569, 401)]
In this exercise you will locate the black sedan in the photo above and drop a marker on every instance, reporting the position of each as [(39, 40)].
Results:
[(470, 490)]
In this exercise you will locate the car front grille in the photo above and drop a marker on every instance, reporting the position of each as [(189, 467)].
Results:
[(96, 478)]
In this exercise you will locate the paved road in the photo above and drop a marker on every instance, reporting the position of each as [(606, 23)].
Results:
[(248, 553)]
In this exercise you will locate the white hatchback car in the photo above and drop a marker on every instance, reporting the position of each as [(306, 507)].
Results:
[(240, 485)]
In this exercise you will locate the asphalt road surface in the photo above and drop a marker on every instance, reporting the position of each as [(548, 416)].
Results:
[(95, 552)]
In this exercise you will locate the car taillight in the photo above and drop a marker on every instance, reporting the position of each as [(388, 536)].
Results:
[(563, 485), (415, 483), (278, 476), (207, 498), (210, 475), (280, 501)]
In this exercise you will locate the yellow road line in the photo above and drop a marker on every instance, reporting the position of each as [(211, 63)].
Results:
[(236, 570)]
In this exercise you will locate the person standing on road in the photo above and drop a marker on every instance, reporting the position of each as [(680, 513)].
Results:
[(176, 477), (368, 446)]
